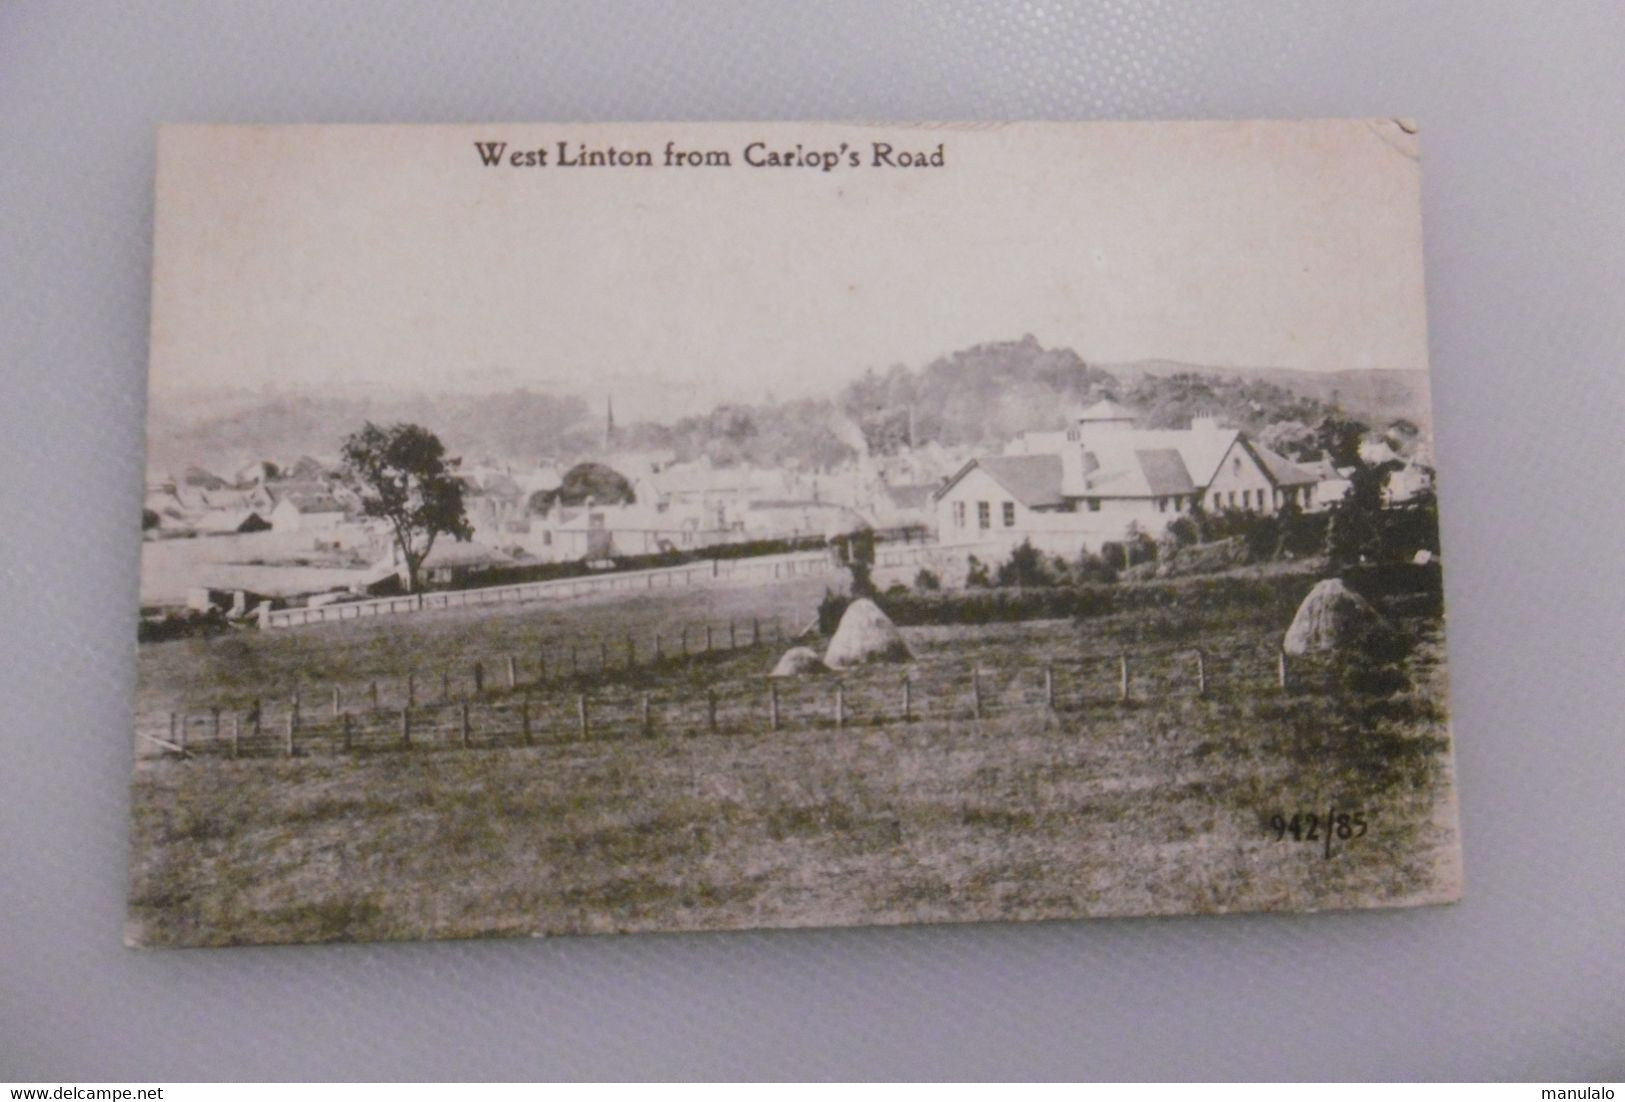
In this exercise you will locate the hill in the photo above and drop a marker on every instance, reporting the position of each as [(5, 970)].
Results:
[(978, 398)]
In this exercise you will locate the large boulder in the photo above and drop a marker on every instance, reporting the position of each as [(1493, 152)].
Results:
[(1332, 617), (865, 634), (798, 662)]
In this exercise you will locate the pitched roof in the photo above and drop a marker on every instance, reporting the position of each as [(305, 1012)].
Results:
[(1164, 471), (315, 503), (910, 496), (1281, 471), (464, 553), (1033, 480)]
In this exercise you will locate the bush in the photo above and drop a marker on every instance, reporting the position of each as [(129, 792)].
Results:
[(831, 609), (1025, 567), (927, 582), (976, 574), (1282, 592)]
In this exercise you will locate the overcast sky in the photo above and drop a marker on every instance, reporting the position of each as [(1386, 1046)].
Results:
[(393, 256)]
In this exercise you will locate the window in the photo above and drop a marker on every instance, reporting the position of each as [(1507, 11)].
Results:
[(1094, 505), (1232, 499), (1246, 499), (1162, 505), (1235, 465), (959, 514), (984, 515), (547, 539), (1009, 514)]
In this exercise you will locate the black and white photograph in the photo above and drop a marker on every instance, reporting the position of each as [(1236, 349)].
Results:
[(573, 529)]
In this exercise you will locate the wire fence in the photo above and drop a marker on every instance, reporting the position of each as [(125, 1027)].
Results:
[(506, 711)]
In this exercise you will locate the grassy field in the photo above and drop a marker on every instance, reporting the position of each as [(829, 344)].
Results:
[(231, 671), (1160, 803)]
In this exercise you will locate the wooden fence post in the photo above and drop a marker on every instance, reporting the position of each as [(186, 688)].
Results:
[(236, 734), (773, 705), (259, 716), (479, 677), (1122, 676), (411, 690), (657, 646), (513, 673), (711, 710), (581, 714), (336, 698), (1201, 673), (644, 718), (685, 639), (840, 705), (976, 690), (293, 719), (1049, 686), (372, 692), (908, 700), (406, 727), (293, 714), (733, 636), (462, 708), (1280, 668)]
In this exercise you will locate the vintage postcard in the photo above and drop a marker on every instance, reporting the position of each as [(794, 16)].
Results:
[(559, 529)]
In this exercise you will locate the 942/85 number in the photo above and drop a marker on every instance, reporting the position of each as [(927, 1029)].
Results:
[(1311, 826)]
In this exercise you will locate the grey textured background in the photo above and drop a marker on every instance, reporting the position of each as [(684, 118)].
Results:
[(1521, 109)]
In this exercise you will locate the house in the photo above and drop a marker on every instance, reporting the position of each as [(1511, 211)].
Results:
[(1408, 482), (794, 518), (307, 512), (233, 522), (1332, 484), (905, 506), (1102, 479)]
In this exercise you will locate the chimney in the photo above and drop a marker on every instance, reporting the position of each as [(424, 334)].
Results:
[(1072, 469)]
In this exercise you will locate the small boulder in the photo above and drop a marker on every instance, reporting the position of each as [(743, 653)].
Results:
[(865, 634), (798, 662), (1331, 617)]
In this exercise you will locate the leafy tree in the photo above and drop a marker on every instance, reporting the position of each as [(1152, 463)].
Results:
[(1293, 439), (402, 475), (1354, 533), (1025, 567), (856, 550), (976, 573), (1339, 438), (149, 520), (592, 482)]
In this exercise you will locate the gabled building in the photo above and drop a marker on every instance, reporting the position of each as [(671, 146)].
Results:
[(1101, 479), (301, 512)]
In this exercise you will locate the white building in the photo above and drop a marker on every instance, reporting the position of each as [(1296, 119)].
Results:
[(1101, 479), (307, 513)]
